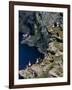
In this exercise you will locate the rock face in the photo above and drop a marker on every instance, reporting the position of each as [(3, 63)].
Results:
[(27, 19), (52, 64), (36, 25)]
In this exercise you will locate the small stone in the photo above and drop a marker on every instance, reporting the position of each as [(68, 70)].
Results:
[(53, 72), (52, 60), (58, 53)]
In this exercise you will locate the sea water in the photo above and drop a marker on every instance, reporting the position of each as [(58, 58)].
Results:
[(27, 53)]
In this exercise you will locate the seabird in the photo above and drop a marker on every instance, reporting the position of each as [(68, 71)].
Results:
[(45, 56), (58, 24), (37, 61), (29, 64), (25, 35), (53, 25)]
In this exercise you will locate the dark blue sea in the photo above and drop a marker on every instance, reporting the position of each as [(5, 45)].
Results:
[(27, 53)]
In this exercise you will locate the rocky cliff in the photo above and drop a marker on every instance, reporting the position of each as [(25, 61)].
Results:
[(35, 26), (52, 64)]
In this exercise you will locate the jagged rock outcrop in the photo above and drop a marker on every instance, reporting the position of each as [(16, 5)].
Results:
[(35, 25), (52, 64)]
